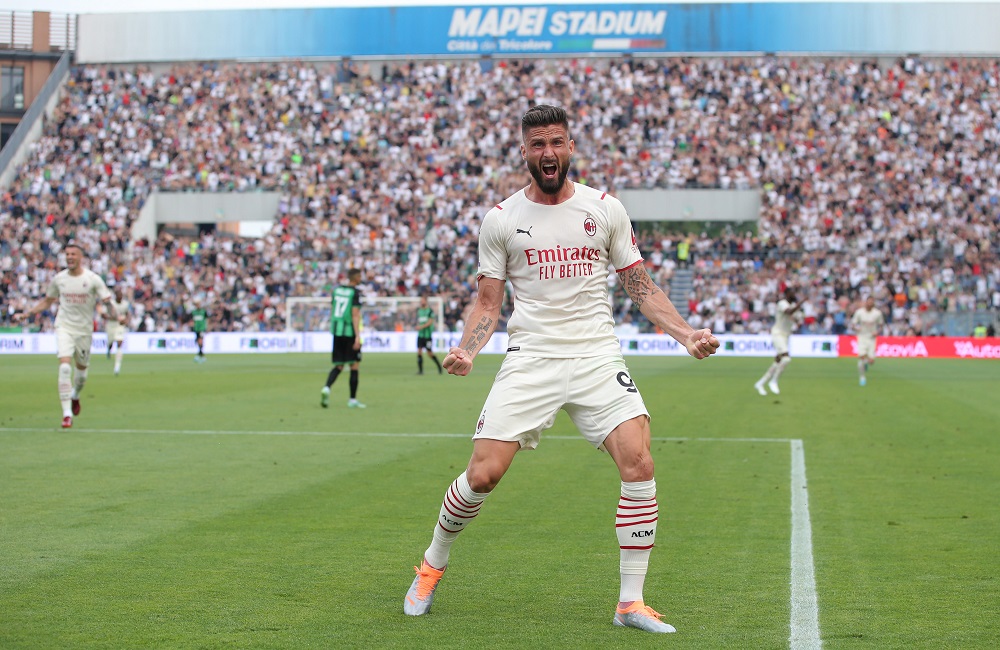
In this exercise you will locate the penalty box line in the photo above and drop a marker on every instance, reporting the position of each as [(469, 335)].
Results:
[(804, 623)]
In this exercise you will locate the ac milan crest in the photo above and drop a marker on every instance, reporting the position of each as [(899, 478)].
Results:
[(590, 226)]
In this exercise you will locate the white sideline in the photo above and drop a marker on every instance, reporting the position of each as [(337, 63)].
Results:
[(804, 623), (804, 626)]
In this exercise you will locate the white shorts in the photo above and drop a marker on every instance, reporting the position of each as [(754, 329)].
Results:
[(780, 343), (72, 345), (596, 392), (866, 346)]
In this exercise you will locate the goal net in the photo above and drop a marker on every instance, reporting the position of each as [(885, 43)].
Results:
[(381, 314)]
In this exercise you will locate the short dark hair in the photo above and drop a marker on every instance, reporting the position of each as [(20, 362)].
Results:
[(543, 115), (73, 244)]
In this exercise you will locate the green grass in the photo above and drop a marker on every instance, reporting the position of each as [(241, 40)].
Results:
[(174, 515)]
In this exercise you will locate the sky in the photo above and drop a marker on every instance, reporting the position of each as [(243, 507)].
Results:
[(128, 6)]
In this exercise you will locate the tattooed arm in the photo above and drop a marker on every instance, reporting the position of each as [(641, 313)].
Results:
[(655, 306), (479, 327)]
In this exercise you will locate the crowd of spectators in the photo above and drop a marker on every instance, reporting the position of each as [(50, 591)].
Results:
[(874, 177)]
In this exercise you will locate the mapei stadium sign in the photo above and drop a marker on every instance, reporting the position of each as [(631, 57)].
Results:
[(521, 29)]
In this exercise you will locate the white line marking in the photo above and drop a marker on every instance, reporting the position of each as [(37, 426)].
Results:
[(805, 608), (214, 432), (805, 611)]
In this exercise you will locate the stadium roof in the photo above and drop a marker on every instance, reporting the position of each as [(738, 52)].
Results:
[(130, 6)]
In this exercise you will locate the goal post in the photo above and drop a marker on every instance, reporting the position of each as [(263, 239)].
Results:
[(378, 313)]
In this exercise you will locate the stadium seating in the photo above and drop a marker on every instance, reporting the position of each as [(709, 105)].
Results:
[(872, 176)]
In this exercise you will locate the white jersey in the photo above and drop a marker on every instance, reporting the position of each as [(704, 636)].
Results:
[(78, 296), (868, 322), (784, 322), (557, 259), (121, 308)]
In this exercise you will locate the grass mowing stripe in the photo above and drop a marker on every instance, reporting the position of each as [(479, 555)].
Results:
[(805, 608)]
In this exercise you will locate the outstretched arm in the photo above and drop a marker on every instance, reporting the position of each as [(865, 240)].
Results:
[(37, 308), (655, 306), (794, 308), (479, 328)]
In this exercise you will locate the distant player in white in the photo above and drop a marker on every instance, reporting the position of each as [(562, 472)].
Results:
[(867, 322), (554, 240), (116, 330), (786, 319), (78, 291)]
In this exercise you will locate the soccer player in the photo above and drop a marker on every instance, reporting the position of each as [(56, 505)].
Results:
[(78, 291), (116, 330), (425, 336), (785, 318), (554, 240), (345, 325), (867, 323), (199, 324)]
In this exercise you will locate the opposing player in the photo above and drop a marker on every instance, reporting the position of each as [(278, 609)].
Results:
[(77, 291), (345, 325), (199, 325), (554, 240), (425, 336), (786, 316), (867, 322), (116, 330)]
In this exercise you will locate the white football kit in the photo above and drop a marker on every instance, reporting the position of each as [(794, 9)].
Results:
[(563, 352), (784, 323), (115, 330), (78, 295), (867, 323)]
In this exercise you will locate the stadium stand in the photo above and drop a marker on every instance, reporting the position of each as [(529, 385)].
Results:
[(874, 175)]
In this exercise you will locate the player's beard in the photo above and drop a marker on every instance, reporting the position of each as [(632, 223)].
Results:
[(549, 185)]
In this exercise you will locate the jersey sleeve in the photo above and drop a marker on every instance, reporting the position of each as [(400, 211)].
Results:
[(623, 251), (356, 299), (492, 247)]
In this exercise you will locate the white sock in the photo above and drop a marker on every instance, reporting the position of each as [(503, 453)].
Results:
[(635, 524), (66, 388), (861, 368), (773, 368), (118, 358), (79, 379), (460, 506)]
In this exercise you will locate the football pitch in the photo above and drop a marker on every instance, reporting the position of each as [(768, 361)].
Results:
[(217, 505)]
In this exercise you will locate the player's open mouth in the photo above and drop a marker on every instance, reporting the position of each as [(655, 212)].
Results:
[(549, 170)]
